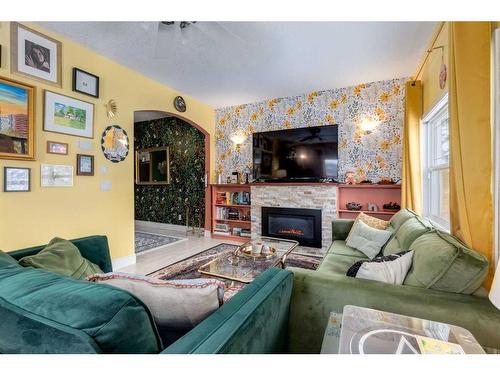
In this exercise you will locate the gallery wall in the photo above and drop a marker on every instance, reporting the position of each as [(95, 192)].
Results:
[(167, 203), (371, 156), (33, 218)]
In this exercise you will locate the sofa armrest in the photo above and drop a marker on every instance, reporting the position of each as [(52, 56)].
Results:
[(341, 228), (316, 294), (253, 321)]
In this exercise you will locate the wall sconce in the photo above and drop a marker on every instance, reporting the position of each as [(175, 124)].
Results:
[(368, 125), (238, 139)]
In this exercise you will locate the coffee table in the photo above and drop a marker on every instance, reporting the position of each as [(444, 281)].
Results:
[(360, 330), (244, 269)]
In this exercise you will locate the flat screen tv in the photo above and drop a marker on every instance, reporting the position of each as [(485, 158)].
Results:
[(304, 154)]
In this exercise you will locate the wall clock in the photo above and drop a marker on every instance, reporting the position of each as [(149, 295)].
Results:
[(180, 104)]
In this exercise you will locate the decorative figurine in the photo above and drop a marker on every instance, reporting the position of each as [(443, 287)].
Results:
[(353, 206), (372, 207), (350, 178)]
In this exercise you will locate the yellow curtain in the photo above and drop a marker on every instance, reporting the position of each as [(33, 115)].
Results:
[(411, 187), (471, 171)]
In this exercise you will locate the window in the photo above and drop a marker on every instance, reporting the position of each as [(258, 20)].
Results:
[(436, 143)]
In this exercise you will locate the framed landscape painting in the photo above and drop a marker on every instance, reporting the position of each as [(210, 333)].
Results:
[(66, 115), (35, 55), (17, 139)]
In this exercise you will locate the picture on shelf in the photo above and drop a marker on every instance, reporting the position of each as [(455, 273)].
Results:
[(16, 179), (16, 120)]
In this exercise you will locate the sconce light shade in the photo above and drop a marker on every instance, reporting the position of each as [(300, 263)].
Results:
[(494, 295), (238, 138), (368, 125)]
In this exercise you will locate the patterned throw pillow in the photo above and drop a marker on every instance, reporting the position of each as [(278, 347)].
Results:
[(390, 269), (179, 304), (373, 221)]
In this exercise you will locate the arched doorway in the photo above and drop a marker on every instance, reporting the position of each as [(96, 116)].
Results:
[(188, 192)]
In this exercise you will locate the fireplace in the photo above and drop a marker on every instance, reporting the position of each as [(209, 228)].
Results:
[(300, 224)]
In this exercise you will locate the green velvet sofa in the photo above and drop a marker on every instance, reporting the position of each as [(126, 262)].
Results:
[(42, 312), (444, 284)]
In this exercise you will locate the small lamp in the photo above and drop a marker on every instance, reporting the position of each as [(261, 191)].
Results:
[(494, 295)]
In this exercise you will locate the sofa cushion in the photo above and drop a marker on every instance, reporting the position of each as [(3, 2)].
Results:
[(62, 257), (7, 260), (372, 221), (366, 239), (407, 232), (400, 217), (338, 264), (109, 319), (340, 248), (442, 262)]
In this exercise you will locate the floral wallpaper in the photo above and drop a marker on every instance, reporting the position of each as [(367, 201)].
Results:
[(167, 203), (371, 156)]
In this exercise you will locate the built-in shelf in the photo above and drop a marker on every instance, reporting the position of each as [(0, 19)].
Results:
[(230, 238), (381, 212), (234, 221), (233, 205)]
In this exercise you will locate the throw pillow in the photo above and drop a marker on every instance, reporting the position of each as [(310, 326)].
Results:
[(7, 260), (366, 239), (174, 304), (373, 221), (390, 269), (62, 257)]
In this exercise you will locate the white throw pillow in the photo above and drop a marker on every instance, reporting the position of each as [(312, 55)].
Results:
[(180, 304), (366, 239), (388, 271)]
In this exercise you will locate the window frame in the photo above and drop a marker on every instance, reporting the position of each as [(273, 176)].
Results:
[(436, 114)]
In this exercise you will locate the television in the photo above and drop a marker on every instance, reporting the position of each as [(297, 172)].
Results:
[(296, 155)]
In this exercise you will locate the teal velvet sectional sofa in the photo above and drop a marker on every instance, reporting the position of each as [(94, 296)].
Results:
[(42, 312), (444, 284)]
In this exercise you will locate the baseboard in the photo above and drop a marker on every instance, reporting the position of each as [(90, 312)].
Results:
[(152, 226), (123, 262)]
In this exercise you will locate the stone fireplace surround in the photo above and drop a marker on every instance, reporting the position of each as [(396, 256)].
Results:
[(297, 195)]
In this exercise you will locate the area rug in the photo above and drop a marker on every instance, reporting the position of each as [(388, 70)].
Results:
[(188, 268), (148, 241)]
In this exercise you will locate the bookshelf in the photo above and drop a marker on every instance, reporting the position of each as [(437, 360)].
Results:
[(231, 212)]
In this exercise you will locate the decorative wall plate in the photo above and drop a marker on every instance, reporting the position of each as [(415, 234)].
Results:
[(115, 143), (180, 104)]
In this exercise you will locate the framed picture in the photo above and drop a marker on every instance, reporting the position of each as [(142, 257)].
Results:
[(16, 179), (17, 131), (115, 143), (35, 55), (56, 175), (66, 115), (85, 83), (84, 165), (58, 148)]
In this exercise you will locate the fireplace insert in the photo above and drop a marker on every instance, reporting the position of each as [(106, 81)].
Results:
[(299, 224)]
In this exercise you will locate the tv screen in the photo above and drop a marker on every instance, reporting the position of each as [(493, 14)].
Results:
[(304, 154)]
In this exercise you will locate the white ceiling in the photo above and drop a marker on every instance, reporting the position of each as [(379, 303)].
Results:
[(228, 63)]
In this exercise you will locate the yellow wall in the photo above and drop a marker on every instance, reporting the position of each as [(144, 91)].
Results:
[(33, 218), (429, 75)]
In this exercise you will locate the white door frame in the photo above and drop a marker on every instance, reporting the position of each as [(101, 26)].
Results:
[(496, 144)]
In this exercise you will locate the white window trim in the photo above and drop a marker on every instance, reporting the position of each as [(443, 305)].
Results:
[(438, 107)]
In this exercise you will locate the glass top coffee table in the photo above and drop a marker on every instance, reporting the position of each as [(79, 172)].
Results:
[(242, 267)]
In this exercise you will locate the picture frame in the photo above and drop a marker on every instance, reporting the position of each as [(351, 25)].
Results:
[(17, 120), (35, 55), (16, 179), (66, 115), (85, 82), (84, 165), (56, 175), (57, 148)]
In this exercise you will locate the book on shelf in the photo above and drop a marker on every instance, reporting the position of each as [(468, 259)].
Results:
[(233, 198)]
